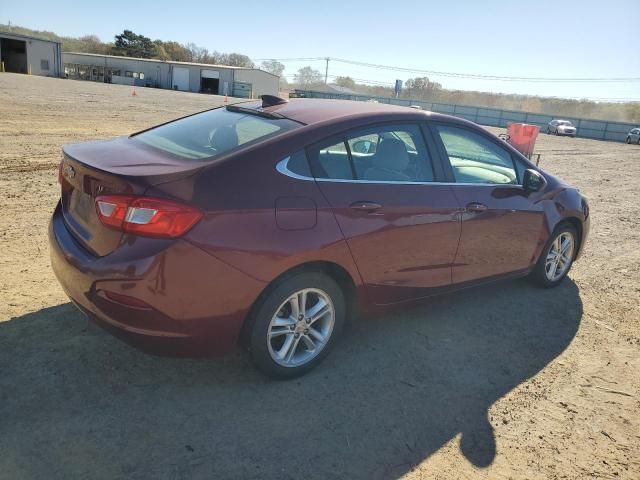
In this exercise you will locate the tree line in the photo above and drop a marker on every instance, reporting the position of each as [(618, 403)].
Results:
[(423, 89), (131, 44)]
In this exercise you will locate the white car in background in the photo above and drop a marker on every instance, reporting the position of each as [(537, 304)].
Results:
[(634, 136), (561, 127)]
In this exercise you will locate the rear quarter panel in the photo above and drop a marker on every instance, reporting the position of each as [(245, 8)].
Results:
[(241, 228)]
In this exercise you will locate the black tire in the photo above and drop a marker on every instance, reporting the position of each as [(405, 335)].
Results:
[(548, 131), (539, 275), (268, 306), (629, 140)]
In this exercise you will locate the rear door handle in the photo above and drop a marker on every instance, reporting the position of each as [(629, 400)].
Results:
[(365, 206), (476, 207)]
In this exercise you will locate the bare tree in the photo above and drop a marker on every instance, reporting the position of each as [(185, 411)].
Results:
[(346, 82), (307, 76), (272, 66)]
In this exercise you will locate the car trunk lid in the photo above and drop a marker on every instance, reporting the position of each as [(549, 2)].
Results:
[(119, 166)]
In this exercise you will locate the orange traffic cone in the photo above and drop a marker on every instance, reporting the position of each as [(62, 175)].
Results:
[(225, 99), (133, 92)]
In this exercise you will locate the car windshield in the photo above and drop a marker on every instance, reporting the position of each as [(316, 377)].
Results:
[(564, 122), (212, 133)]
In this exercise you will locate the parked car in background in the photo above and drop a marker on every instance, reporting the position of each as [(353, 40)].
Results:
[(270, 223), (561, 127), (634, 136)]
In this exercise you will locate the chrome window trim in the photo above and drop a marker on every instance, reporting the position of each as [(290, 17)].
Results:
[(281, 167)]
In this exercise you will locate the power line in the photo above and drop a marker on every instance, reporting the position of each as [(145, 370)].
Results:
[(377, 83), (487, 77), (475, 76)]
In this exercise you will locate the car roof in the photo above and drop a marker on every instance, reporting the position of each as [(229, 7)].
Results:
[(314, 110)]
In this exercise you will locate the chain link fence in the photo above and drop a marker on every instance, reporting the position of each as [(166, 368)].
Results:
[(495, 117)]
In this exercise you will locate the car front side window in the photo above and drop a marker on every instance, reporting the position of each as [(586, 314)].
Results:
[(476, 159)]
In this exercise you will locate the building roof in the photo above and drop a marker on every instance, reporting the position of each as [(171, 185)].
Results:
[(27, 37), (170, 62), (333, 88)]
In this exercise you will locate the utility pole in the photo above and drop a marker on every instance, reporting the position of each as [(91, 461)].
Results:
[(326, 70)]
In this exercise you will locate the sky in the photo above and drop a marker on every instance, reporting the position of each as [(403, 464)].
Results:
[(558, 39)]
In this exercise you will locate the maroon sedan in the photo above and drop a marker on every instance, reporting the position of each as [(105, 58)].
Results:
[(271, 223)]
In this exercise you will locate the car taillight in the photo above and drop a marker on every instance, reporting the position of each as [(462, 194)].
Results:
[(153, 217)]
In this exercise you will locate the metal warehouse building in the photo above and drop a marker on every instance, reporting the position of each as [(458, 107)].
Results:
[(22, 54), (188, 77)]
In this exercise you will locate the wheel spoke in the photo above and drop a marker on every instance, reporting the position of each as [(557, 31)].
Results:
[(292, 350), (319, 310), (277, 332), (317, 335), (282, 322), (295, 306), (311, 346), (286, 346), (552, 271), (302, 301)]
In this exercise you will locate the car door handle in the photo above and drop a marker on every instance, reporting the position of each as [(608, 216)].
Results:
[(365, 206), (476, 207)]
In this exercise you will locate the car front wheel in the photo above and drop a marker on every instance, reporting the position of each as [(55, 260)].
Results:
[(557, 257), (629, 140), (296, 324)]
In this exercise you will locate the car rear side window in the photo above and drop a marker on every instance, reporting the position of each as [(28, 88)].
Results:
[(476, 159), (298, 164), (212, 133), (332, 161), (391, 153)]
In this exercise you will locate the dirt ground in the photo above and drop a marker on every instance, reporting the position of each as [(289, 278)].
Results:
[(504, 381)]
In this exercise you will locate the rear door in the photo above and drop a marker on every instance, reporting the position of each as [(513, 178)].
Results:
[(401, 227), (501, 223)]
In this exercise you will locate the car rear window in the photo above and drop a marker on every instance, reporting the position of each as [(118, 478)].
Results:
[(212, 133)]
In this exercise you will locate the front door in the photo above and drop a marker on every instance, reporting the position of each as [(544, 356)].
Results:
[(502, 225), (401, 227)]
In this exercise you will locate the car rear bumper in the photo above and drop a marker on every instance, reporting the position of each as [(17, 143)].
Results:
[(165, 297)]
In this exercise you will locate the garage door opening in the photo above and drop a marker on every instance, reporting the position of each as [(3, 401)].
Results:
[(14, 55), (209, 85), (210, 82)]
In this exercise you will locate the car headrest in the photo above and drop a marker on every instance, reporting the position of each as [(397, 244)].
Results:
[(391, 154), (224, 138)]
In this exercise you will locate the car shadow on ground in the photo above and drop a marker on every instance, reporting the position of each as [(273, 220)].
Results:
[(77, 403)]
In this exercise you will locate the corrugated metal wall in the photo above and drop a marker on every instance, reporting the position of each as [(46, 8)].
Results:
[(588, 128), (160, 74)]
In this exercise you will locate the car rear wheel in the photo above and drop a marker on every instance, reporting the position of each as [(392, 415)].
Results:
[(629, 140), (296, 324), (557, 257)]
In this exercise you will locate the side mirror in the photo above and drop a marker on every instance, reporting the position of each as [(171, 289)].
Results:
[(363, 146), (533, 181)]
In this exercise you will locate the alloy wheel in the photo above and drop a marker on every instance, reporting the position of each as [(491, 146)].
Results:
[(559, 256), (301, 327)]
